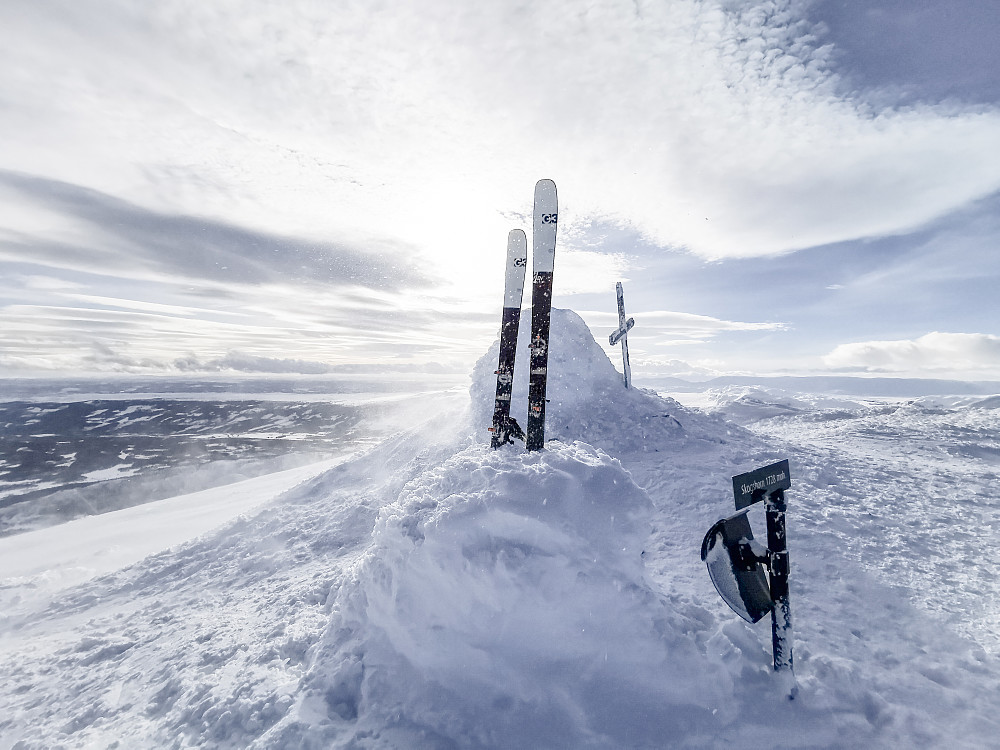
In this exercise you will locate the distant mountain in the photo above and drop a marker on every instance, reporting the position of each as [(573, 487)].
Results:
[(834, 384)]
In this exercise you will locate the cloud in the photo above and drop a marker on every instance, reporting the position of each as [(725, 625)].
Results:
[(665, 366), (319, 182), (950, 258), (48, 283), (711, 125), (242, 362), (293, 325), (665, 326), (587, 272), (137, 241), (961, 353)]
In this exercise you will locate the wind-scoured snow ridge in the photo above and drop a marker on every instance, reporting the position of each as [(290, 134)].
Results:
[(503, 603), (201, 646)]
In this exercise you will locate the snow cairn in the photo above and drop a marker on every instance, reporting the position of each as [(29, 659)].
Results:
[(587, 399), (503, 600)]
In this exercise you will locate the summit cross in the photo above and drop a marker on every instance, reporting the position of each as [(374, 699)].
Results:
[(624, 326)]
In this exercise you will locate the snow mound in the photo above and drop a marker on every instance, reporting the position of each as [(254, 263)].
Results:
[(587, 397), (993, 402), (432, 593), (503, 603), (747, 405)]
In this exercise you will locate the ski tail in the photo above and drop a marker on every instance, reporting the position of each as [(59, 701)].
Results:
[(546, 216), (504, 426), (541, 308)]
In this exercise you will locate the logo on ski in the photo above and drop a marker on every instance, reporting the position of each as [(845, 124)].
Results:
[(539, 345)]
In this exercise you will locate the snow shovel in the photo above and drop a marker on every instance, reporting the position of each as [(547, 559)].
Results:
[(735, 567)]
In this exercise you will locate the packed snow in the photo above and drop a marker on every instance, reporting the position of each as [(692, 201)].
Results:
[(58, 556), (428, 592)]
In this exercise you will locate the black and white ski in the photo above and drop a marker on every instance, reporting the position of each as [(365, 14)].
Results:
[(546, 216), (504, 426)]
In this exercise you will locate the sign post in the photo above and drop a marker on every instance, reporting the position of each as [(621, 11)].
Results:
[(777, 549), (624, 326), (735, 568)]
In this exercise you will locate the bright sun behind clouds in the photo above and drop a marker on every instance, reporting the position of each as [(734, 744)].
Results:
[(239, 156)]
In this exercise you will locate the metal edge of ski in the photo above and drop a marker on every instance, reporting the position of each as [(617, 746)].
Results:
[(505, 427), (545, 222)]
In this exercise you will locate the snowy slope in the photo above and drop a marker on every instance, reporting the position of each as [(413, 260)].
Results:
[(202, 645), (66, 454), (911, 488), (431, 593), (47, 560)]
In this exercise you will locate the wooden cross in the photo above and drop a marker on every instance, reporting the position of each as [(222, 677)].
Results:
[(624, 326)]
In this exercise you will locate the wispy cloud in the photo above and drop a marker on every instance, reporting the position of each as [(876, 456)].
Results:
[(932, 354), (706, 124), (112, 338), (663, 324), (142, 242)]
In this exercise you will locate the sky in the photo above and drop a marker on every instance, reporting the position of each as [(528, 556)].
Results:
[(782, 187)]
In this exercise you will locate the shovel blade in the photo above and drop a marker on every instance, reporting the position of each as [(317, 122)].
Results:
[(741, 582)]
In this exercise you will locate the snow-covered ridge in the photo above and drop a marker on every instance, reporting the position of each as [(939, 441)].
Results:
[(432, 593), (503, 602)]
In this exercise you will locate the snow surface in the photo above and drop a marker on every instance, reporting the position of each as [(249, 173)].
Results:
[(432, 593), (56, 557)]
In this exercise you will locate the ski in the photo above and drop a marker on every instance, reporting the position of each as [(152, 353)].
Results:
[(504, 426), (546, 216)]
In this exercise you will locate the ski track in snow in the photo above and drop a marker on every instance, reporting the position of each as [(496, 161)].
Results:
[(430, 593)]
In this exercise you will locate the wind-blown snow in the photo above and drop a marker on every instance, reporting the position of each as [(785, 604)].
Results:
[(56, 557), (503, 603), (432, 593)]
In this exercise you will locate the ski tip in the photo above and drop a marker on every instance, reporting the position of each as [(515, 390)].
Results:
[(545, 186)]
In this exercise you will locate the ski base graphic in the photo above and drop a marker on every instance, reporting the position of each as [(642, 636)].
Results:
[(545, 221), (505, 428)]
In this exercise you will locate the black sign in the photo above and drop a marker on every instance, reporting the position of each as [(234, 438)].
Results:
[(751, 487)]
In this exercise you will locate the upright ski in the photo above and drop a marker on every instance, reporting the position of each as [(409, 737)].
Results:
[(504, 426), (546, 216)]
